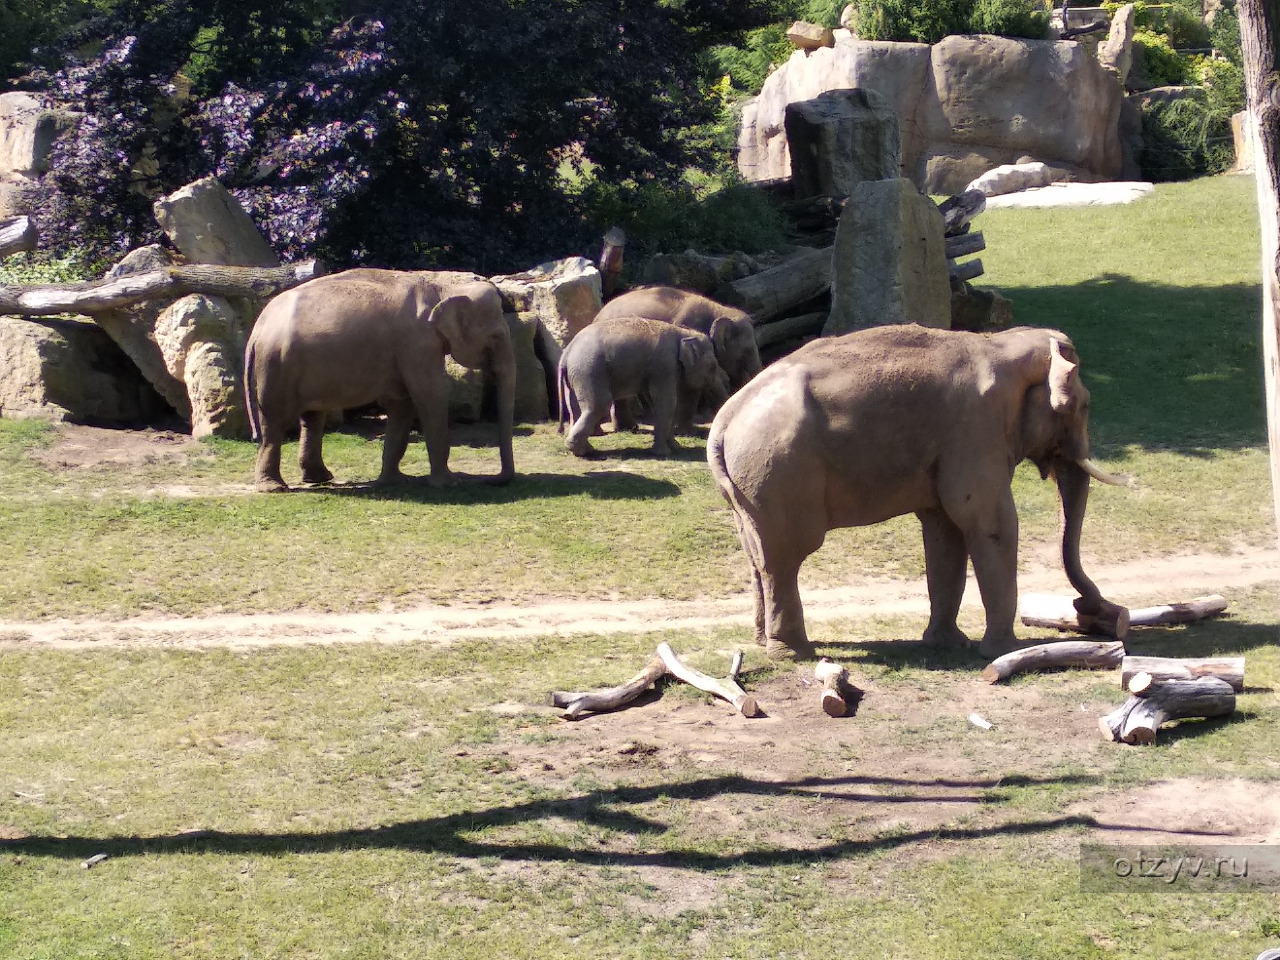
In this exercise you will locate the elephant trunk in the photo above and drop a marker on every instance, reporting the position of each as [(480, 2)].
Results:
[(504, 376), (1073, 488)]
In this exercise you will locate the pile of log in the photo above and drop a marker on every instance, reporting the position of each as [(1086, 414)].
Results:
[(1060, 613), (1163, 689), (957, 212)]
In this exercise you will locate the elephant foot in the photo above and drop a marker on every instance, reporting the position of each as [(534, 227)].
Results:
[(992, 647), (323, 475), (797, 650), (390, 479), (268, 485), (948, 636), (443, 478), (585, 451)]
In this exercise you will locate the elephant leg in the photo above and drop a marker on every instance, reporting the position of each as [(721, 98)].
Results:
[(624, 415), (757, 586), (396, 440), (429, 398), (994, 549), (945, 559), (266, 471), (578, 442), (785, 635), (663, 403), (310, 447)]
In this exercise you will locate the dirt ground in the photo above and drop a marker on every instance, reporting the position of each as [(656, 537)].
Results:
[(795, 755)]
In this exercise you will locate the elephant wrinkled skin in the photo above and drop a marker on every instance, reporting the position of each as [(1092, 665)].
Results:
[(612, 361), (370, 335), (854, 430)]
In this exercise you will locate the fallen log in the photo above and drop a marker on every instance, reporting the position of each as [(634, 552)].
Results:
[(1191, 610), (17, 235), (577, 703), (169, 283), (1230, 669), (789, 328), (838, 693), (1060, 613), (1090, 654), (964, 244), (969, 270), (726, 689), (1140, 717), (772, 292), (957, 211)]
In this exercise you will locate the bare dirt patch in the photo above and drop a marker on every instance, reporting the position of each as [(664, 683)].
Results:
[(85, 446)]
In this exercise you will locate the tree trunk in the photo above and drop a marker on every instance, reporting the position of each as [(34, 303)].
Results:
[(17, 235), (1047, 656), (1260, 40), (772, 292), (1140, 717)]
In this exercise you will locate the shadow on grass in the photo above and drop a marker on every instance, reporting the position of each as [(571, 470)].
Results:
[(461, 834), (1169, 367), (598, 484)]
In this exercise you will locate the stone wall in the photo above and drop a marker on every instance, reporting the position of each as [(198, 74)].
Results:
[(964, 105)]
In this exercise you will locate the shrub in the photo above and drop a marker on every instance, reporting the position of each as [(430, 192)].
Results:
[(1184, 29), (1185, 138), (1010, 18), (1163, 64), (928, 21)]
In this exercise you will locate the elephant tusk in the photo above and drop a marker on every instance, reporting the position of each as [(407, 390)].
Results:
[(1102, 476)]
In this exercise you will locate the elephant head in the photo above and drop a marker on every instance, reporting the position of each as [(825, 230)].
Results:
[(734, 339), (699, 370), (472, 329)]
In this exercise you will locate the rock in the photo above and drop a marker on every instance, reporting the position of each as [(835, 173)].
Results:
[(839, 139), (27, 133), (209, 226), (849, 17), (980, 310), (810, 36), (889, 261), (965, 105), (564, 295), (70, 370), (1116, 52), (1012, 177), (202, 340), (698, 272)]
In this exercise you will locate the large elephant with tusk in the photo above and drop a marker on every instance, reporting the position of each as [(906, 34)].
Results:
[(853, 430)]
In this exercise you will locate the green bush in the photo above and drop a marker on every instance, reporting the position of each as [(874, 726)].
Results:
[(1225, 36), (1184, 29), (1163, 64), (1183, 139), (1010, 18), (922, 21), (1223, 82)]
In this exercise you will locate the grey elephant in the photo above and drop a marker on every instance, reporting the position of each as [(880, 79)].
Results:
[(370, 335), (853, 430), (633, 357), (729, 328)]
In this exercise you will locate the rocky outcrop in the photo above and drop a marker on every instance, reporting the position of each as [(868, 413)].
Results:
[(209, 226), (964, 105), (889, 263), (70, 370), (28, 131), (202, 340), (839, 139)]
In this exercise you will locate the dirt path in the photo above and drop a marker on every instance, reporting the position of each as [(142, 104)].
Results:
[(1150, 581)]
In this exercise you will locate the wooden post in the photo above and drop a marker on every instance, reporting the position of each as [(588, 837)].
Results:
[(1260, 42), (1060, 613), (838, 693)]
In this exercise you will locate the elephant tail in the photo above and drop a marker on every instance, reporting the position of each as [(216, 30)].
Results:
[(566, 402), (743, 514), (251, 394)]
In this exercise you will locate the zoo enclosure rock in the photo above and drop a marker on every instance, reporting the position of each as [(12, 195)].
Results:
[(839, 139), (28, 131)]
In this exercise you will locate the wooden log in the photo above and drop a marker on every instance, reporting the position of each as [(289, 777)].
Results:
[(1230, 669), (597, 701), (838, 692), (1139, 718), (789, 328), (964, 244), (771, 293), (727, 689), (969, 270), (1191, 610), (957, 211), (1090, 654), (1060, 613), (170, 283), (17, 235)]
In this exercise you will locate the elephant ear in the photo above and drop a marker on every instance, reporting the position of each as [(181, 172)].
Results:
[(720, 332), (446, 320), (692, 350), (1064, 378)]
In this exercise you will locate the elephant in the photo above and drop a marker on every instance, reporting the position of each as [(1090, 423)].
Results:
[(633, 357), (368, 335), (853, 430), (734, 338)]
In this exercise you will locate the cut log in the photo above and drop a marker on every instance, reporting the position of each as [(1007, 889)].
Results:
[(50, 299), (770, 293), (1187, 612), (964, 244), (1090, 654), (1230, 669), (1139, 718), (957, 211), (838, 693), (577, 703), (969, 270), (789, 328), (16, 235), (726, 689), (1060, 613)]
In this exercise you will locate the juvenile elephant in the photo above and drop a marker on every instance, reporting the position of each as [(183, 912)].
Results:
[(733, 335), (374, 335), (633, 357), (853, 430)]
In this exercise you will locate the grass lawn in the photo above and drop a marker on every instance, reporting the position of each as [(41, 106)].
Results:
[(369, 799)]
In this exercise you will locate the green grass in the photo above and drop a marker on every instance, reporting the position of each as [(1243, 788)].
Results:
[(418, 800)]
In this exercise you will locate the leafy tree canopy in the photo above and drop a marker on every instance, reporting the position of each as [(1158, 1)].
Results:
[(392, 132)]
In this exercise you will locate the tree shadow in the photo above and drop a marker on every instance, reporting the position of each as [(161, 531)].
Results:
[(457, 834)]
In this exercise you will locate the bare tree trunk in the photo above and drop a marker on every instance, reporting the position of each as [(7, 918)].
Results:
[(1260, 40)]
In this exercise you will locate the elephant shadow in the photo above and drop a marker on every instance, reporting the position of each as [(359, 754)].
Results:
[(598, 485)]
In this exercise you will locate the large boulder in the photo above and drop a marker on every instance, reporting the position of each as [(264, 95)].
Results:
[(28, 131), (209, 226), (965, 105), (202, 340), (58, 369), (839, 139), (889, 263)]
